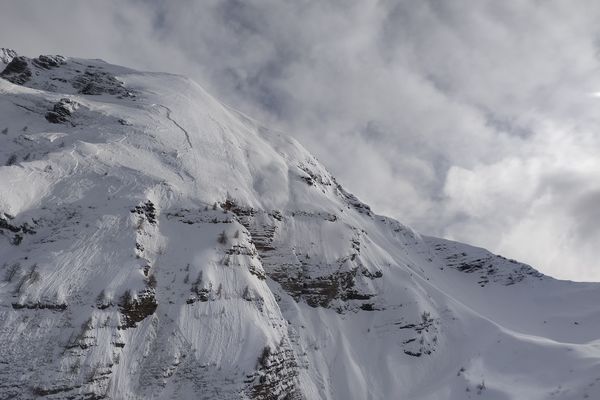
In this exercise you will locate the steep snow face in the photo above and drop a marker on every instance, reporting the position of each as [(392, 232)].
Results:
[(157, 244)]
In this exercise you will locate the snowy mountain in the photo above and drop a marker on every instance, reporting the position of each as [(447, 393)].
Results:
[(157, 244)]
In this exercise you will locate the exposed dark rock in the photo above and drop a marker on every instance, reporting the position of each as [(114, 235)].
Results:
[(62, 111), (313, 177), (12, 160), (17, 71), (353, 201), (47, 391), (262, 235), (237, 249), (426, 323), (276, 377), (40, 306), (368, 307), (424, 333), (276, 214), (317, 291), (5, 224), (48, 62), (308, 180), (137, 309), (14, 232), (319, 214), (203, 294), (147, 210), (259, 273), (240, 211), (492, 268), (103, 302), (372, 275), (192, 217), (94, 82)]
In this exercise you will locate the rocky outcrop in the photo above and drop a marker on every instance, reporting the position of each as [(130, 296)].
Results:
[(17, 71), (147, 211), (6, 56), (489, 268), (62, 111), (49, 62), (318, 283), (15, 233), (20, 69), (276, 377), (55, 73), (136, 309), (95, 82)]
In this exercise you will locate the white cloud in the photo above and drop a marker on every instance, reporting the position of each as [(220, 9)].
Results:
[(472, 120), (541, 204)]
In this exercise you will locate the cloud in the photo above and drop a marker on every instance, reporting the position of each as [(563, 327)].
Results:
[(471, 120), (542, 205)]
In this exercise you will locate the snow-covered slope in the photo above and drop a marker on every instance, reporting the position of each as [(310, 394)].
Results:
[(157, 244)]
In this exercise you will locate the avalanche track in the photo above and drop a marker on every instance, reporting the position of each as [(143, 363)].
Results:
[(187, 135)]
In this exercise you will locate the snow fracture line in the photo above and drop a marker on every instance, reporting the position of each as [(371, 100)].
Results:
[(187, 135)]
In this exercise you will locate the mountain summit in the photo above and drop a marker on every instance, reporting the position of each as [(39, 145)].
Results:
[(157, 244)]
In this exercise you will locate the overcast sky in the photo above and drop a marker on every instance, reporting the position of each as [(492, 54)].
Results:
[(474, 120)]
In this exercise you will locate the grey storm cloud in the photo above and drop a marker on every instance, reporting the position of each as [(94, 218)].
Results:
[(473, 120)]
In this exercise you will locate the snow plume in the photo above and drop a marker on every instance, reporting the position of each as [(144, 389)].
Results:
[(469, 120)]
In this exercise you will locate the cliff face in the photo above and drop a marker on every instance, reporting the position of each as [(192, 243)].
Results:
[(157, 244)]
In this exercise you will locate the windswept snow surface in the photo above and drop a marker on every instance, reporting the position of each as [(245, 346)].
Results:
[(156, 244)]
